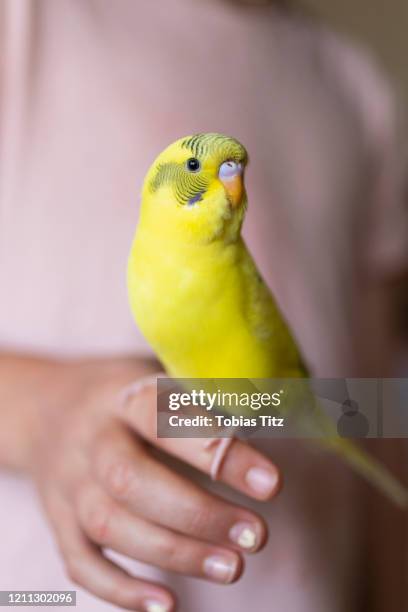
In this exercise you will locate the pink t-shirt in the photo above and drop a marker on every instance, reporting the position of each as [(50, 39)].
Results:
[(91, 92)]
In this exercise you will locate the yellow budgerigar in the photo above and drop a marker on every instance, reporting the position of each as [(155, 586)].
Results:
[(194, 288)]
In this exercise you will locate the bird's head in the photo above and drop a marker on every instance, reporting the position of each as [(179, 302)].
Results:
[(196, 188)]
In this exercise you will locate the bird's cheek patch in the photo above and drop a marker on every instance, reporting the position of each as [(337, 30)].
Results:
[(196, 198)]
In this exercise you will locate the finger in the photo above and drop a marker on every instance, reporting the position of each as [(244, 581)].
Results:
[(108, 525), (88, 568), (243, 468), (148, 488)]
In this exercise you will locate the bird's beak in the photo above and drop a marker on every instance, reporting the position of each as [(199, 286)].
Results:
[(234, 186)]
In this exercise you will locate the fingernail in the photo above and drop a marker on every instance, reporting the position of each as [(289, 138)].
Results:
[(155, 606), (244, 534), (261, 481), (221, 569)]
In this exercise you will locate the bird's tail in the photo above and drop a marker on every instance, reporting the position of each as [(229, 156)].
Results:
[(367, 466), (375, 472)]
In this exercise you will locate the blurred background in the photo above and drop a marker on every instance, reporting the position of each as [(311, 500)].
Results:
[(91, 91), (382, 26)]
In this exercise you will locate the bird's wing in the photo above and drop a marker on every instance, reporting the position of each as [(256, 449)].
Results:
[(266, 321)]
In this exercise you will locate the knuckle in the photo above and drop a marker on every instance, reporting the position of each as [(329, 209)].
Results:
[(139, 409), (118, 478), (168, 550), (199, 518), (113, 468), (97, 521)]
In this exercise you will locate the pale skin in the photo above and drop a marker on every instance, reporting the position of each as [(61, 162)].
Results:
[(90, 456)]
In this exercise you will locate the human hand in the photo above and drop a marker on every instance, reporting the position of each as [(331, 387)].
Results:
[(102, 487)]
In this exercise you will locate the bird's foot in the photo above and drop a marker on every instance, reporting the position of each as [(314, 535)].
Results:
[(136, 387), (222, 447)]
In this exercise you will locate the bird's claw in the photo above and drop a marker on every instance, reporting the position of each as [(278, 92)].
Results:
[(222, 447)]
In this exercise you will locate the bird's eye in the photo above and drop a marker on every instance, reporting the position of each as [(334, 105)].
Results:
[(193, 165)]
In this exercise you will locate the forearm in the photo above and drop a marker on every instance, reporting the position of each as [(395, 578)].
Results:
[(27, 383), (33, 390)]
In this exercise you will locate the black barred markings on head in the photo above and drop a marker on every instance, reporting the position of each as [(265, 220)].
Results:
[(207, 144), (189, 187)]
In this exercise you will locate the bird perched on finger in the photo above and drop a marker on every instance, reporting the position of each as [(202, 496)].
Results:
[(196, 293), (191, 276)]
